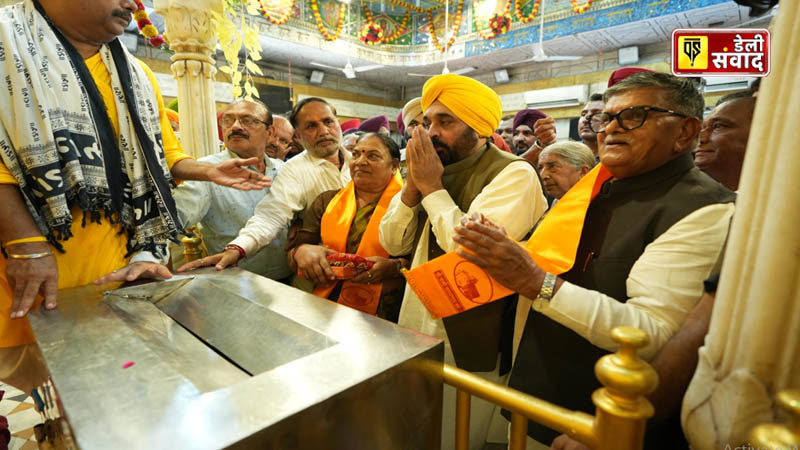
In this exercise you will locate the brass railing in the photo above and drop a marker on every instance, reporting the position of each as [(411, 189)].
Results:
[(776, 436), (622, 409)]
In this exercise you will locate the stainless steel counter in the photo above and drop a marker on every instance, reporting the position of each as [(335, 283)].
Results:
[(234, 359)]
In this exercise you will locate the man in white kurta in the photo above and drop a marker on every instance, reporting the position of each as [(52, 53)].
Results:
[(453, 172)]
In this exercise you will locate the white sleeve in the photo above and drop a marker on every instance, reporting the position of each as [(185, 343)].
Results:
[(398, 227), (663, 285), (192, 200), (274, 212), (513, 199)]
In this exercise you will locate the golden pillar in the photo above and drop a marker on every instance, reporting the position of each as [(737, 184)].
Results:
[(192, 36)]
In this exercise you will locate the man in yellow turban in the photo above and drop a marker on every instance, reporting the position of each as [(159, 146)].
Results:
[(454, 171)]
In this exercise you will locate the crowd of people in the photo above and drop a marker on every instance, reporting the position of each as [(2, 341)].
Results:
[(626, 227)]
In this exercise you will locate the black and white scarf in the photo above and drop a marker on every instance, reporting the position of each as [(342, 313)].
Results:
[(58, 142)]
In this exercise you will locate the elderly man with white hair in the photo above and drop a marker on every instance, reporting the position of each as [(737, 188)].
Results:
[(562, 164)]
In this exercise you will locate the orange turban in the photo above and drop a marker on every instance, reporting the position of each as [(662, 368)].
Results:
[(172, 115), (473, 102)]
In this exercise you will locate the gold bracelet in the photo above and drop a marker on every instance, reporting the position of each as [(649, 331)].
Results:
[(29, 255), (27, 239)]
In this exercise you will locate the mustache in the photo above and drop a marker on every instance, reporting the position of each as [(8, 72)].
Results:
[(238, 133), (122, 14), (437, 143)]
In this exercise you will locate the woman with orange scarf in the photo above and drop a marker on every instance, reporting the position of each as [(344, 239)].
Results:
[(347, 221)]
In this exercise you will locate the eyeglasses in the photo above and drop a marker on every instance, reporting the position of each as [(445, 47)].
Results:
[(246, 121), (629, 118)]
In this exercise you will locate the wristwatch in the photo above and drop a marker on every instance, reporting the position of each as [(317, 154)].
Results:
[(549, 283)]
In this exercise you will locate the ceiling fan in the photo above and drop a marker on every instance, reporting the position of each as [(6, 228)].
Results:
[(445, 71), (348, 69), (538, 51)]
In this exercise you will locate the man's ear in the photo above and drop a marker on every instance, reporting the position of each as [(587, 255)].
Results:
[(690, 130), (585, 170)]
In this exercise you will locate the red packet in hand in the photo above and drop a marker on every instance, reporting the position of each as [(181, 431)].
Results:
[(348, 265)]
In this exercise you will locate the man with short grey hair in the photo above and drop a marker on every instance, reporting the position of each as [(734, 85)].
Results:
[(562, 164), (653, 228)]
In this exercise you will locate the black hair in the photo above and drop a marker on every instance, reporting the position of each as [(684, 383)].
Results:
[(259, 103), (735, 96), (596, 97), (304, 102), (391, 145)]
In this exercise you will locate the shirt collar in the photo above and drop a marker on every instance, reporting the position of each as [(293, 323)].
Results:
[(344, 154)]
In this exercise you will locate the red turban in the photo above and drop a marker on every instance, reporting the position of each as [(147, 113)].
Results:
[(620, 74)]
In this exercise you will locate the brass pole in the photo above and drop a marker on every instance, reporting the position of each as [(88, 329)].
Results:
[(462, 419), (622, 408), (519, 432), (576, 424)]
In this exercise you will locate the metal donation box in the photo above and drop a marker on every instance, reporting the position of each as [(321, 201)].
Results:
[(232, 359)]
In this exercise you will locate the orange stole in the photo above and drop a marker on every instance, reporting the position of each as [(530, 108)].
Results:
[(335, 226), (449, 284)]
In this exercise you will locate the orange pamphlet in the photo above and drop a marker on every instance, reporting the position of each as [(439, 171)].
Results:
[(449, 284)]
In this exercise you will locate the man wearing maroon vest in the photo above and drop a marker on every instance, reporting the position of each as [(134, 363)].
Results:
[(653, 233)]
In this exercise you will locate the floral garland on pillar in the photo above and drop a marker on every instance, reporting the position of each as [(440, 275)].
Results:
[(581, 9), (321, 26), (498, 23), (456, 25), (529, 17), (146, 27), (272, 20)]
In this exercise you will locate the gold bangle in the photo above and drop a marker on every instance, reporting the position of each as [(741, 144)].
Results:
[(27, 239), (29, 255)]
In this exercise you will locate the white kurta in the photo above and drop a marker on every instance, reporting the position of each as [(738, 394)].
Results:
[(514, 200)]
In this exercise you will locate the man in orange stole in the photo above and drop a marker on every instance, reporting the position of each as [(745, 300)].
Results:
[(454, 171), (630, 244)]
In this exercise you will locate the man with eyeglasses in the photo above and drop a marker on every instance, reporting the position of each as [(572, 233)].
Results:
[(247, 127), (323, 166), (653, 228)]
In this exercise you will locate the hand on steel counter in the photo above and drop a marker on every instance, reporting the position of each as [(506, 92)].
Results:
[(28, 277), (495, 252), (312, 263), (134, 271), (222, 260)]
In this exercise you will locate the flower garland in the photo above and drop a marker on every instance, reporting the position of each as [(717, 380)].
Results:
[(581, 9), (371, 33), (498, 23), (397, 32), (273, 20), (146, 27), (456, 25), (410, 7), (529, 17), (321, 26)]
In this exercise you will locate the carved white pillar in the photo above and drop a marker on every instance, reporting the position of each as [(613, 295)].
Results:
[(192, 36), (752, 350)]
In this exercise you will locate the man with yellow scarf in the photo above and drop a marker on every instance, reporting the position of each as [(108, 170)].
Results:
[(454, 171)]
